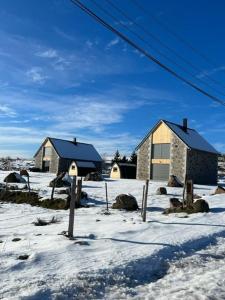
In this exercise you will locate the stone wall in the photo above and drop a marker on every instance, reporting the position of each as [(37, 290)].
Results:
[(143, 160), (178, 152), (202, 167), (38, 159), (54, 162)]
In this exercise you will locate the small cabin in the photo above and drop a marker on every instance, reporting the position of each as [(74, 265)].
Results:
[(123, 170), (81, 168)]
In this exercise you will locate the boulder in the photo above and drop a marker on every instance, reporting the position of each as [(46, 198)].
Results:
[(200, 205), (219, 190), (124, 201), (174, 182), (93, 176), (161, 191), (60, 181), (175, 202), (14, 178), (24, 173), (84, 195)]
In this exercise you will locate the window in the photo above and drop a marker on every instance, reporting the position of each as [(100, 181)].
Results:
[(114, 169), (73, 167), (161, 151), (47, 151)]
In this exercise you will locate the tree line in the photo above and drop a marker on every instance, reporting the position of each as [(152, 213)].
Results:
[(123, 159)]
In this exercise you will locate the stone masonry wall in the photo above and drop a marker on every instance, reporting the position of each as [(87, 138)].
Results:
[(143, 160), (38, 159), (178, 154), (202, 167), (54, 162)]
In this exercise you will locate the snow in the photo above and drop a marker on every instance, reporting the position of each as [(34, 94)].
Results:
[(168, 257)]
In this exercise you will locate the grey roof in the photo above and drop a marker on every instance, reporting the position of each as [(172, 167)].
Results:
[(76, 151), (190, 137)]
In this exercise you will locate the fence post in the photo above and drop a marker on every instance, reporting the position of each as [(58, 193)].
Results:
[(79, 189), (142, 202), (189, 193), (53, 189), (106, 196), (145, 200), (72, 207)]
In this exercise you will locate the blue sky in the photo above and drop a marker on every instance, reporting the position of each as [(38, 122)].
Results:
[(63, 75)]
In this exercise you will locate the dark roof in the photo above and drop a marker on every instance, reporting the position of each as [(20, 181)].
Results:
[(72, 150), (127, 170), (190, 137)]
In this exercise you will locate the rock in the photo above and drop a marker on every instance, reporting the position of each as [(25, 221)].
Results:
[(16, 240), (195, 196), (60, 181), (23, 257), (174, 182), (219, 190), (14, 178), (124, 201), (93, 176), (175, 202), (84, 195), (161, 191), (200, 205), (24, 173), (82, 243)]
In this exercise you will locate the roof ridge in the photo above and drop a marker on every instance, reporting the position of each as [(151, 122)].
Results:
[(68, 141)]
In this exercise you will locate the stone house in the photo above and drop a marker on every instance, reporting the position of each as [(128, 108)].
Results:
[(173, 149), (56, 156)]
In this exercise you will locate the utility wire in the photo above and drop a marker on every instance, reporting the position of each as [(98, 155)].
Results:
[(143, 51), (154, 37), (155, 49), (209, 61)]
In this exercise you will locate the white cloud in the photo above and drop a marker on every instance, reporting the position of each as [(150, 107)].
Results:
[(7, 111), (206, 73), (36, 75), (112, 43), (50, 53)]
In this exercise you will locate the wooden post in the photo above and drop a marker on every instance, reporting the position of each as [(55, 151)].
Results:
[(72, 208), (28, 183), (106, 197), (53, 189), (79, 189), (184, 189), (142, 202), (189, 193), (145, 201)]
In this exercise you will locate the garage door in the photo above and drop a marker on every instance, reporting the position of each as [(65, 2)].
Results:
[(160, 171)]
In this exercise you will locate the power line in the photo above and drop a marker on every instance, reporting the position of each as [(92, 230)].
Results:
[(143, 51), (177, 36), (162, 43), (155, 49)]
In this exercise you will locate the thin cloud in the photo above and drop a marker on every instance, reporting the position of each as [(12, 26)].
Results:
[(35, 74), (50, 53), (112, 43)]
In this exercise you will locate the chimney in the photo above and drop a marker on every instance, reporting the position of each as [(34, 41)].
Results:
[(75, 141), (185, 124)]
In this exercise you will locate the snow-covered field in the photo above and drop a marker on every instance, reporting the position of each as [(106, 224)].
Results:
[(168, 257)]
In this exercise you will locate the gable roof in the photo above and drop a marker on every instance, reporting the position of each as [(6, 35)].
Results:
[(191, 137), (75, 151)]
